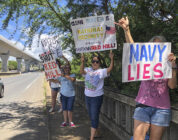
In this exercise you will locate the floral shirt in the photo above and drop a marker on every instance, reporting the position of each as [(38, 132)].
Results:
[(154, 93)]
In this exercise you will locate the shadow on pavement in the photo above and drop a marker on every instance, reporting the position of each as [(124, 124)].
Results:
[(29, 121), (81, 132)]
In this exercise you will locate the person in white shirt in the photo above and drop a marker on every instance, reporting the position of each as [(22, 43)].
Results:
[(94, 82)]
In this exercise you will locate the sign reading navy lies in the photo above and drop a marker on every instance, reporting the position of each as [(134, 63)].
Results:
[(96, 33), (146, 61)]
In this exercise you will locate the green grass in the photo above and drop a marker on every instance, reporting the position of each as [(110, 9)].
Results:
[(45, 93)]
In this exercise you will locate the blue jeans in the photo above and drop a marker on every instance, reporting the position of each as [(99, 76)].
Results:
[(152, 115), (67, 102), (93, 105)]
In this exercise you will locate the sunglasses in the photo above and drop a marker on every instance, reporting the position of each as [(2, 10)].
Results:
[(95, 61)]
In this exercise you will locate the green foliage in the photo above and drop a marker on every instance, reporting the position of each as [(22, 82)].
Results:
[(12, 65), (174, 95)]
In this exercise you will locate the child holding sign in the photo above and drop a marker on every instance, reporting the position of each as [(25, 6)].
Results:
[(94, 82), (153, 102), (67, 93)]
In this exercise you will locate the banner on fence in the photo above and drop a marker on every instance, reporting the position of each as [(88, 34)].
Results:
[(96, 33), (144, 61), (52, 44), (52, 71)]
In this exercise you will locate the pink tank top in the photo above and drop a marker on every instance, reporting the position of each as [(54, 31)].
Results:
[(154, 93)]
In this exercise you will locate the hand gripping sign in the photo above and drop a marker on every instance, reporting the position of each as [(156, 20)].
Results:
[(95, 33), (145, 61)]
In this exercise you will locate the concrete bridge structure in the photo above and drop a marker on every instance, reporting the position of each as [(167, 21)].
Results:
[(7, 48)]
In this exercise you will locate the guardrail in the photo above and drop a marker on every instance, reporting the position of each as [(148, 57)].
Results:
[(117, 111)]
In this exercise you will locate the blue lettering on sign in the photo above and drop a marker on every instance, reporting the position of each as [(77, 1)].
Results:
[(161, 52), (151, 56), (143, 53), (133, 52)]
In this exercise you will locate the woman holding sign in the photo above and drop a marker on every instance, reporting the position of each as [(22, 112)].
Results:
[(153, 102), (94, 81), (67, 93)]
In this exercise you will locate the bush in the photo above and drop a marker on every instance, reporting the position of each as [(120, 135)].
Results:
[(12, 65)]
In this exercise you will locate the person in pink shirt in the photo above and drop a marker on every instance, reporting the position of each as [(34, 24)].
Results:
[(153, 102)]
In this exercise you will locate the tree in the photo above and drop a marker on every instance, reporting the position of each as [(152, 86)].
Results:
[(12, 65)]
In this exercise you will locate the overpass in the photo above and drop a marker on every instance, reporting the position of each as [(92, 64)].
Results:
[(7, 48)]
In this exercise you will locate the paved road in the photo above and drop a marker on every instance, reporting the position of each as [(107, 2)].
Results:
[(22, 114)]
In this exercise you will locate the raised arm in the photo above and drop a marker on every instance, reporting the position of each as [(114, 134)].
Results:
[(124, 23), (82, 71), (173, 81), (111, 55)]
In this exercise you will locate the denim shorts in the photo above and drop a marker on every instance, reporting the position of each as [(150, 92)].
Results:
[(93, 105), (67, 102), (56, 89), (152, 115)]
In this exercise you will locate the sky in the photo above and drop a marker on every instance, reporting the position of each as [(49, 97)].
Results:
[(19, 43)]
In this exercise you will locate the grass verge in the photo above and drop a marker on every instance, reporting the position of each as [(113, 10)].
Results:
[(45, 93)]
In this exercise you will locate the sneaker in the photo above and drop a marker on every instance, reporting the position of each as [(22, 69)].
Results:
[(60, 110), (72, 124), (51, 110), (64, 124)]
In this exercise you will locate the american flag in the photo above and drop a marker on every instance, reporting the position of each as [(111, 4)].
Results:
[(110, 30)]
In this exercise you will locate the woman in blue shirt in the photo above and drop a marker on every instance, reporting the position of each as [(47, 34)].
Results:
[(67, 93)]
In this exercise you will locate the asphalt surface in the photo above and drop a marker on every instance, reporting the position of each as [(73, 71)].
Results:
[(22, 115)]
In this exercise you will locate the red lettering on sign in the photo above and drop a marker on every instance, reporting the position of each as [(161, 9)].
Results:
[(49, 64), (129, 73), (145, 71), (96, 47), (54, 65), (159, 71)]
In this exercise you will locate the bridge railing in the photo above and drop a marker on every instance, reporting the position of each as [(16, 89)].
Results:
[(117, 111)]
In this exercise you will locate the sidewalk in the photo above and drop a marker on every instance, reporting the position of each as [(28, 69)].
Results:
[(80, 118)]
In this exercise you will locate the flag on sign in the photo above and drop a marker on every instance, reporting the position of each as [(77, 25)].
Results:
[(110, 30)]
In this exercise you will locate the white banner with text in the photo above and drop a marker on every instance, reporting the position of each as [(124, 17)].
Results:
[(51, 69), (52, 44), (145, 61), (95, 33)]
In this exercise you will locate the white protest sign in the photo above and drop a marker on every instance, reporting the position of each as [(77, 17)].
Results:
[(52, 44), (52, 71), (144, 61), (95, 33)]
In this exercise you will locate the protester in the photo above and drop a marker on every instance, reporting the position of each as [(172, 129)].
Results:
[(94, 82), (55, 88), (153, 101), (67, 93)]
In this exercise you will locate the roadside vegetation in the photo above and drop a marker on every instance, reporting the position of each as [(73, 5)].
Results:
[(12, 65)]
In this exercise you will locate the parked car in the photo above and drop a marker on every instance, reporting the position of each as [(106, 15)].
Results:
[(1, 88)]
